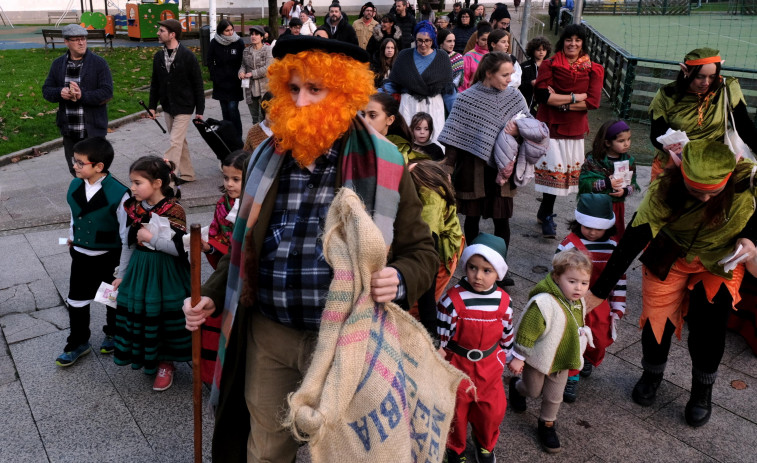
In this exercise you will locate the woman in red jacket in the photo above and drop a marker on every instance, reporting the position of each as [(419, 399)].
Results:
[(568, 86)]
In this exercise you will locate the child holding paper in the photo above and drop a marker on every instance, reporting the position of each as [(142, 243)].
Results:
[(609, 169), (98, 226), (153, 278)]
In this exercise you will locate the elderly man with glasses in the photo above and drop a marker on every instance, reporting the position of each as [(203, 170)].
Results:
[(81, 83)]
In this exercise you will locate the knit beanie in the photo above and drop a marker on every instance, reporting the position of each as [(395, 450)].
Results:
[(490, 247), (707, 165), (595, 211)]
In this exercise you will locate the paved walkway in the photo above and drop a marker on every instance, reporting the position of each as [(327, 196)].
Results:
[(98, 412)]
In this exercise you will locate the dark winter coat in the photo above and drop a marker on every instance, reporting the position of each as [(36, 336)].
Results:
[(406, 25), (344, 31), (223, 64), (96, 86), (181, 91)]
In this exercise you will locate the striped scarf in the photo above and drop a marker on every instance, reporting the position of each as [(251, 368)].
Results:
[(370, 165)]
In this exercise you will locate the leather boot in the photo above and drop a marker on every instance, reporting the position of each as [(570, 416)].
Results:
[(699, 407), (645, 391)]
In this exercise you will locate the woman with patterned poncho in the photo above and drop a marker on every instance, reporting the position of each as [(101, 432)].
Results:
[(477, 118)]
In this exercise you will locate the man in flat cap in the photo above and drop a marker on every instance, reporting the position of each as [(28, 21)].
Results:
[(177, 85), (272, 288), (81, 84)]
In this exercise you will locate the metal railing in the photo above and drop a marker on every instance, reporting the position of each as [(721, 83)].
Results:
[(631, 82)]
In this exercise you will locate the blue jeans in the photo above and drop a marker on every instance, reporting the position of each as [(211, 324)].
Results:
[(230, 112)]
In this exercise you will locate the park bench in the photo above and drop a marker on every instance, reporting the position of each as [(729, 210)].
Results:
[(55, 15), (95, 38)]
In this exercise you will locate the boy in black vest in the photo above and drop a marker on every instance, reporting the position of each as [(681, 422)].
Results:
[(98, 227)]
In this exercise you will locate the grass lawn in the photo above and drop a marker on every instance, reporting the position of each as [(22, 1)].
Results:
[(27, 119)]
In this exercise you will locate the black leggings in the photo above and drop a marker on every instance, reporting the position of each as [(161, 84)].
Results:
[(707, 330), (471, 228), (547, 206)]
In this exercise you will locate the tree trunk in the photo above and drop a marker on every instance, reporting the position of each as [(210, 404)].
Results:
[(273, 18), (185, 5)]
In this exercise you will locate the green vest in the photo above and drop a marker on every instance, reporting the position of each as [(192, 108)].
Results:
[(95, 221)]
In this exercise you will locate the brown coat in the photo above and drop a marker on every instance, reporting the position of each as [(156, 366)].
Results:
[(412, 253)]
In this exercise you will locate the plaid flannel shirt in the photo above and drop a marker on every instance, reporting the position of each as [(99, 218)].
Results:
[(293, 276)]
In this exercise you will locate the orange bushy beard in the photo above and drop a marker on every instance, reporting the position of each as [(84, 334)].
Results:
[(305, 130), (310, 131)]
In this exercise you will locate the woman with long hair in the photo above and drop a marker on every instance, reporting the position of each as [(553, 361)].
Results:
[(446, 41), (479, 115), (382, 63), (694, 103), (568, 86), (224, 59), (697, 223)]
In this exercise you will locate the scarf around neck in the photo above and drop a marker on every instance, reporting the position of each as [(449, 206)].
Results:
[(369, 164), (435, 80), (226, 39)]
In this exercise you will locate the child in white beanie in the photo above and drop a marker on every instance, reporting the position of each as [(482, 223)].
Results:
[(476, 331)]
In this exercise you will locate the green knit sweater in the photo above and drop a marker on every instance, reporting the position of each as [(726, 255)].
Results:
[(532, 339)]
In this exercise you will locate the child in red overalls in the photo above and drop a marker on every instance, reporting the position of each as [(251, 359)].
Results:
[(476, 331), (594, 233)]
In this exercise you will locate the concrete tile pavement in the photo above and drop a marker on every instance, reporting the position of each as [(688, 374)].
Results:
[(96, 411)]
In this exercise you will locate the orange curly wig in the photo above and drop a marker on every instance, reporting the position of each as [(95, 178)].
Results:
[(310, 131)]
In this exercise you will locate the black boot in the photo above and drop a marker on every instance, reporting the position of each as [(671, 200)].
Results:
[(699, 407), (517, 401), (548, 436), (645, 391)]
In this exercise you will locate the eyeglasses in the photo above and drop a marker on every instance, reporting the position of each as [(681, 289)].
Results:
[(80, 164), (422, 41), (77, 39)]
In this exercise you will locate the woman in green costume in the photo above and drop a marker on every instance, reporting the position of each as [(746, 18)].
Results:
[(698, 226), (694, 104)]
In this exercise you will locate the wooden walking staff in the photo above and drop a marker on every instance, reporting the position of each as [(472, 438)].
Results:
[(195, 246)]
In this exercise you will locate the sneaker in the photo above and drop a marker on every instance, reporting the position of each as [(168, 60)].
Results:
[(587, 369), (484, 456), (548, 227), (164, 378), (548, 437), (108, 345), (66, 359), (452, 457), (517, 401), (571, 388)]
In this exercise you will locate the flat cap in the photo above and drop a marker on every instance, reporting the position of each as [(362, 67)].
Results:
[(172, 25), (73, 30)]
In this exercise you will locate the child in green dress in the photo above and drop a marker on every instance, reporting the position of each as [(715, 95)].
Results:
[(153, 278)]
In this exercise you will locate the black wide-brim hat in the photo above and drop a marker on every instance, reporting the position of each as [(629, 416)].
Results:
[(293, 44)]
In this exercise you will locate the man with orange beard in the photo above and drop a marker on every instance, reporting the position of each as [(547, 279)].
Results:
[(273, 284)]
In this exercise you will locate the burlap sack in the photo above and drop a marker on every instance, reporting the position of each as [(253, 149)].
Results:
[(376, 389)]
